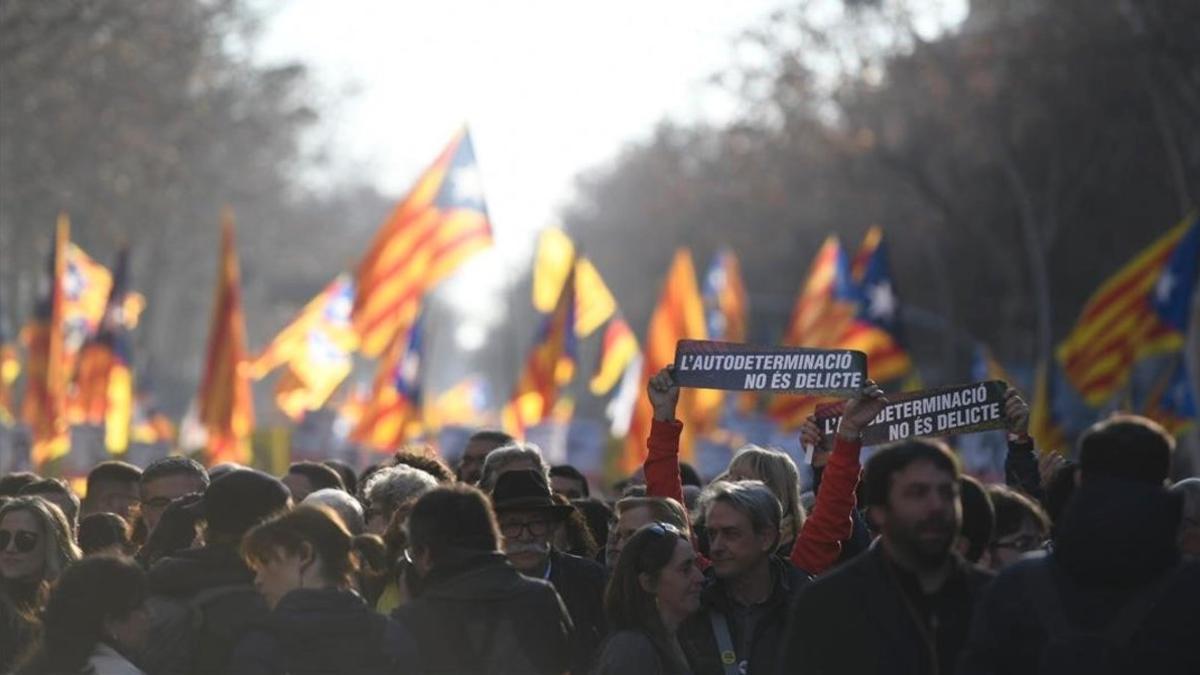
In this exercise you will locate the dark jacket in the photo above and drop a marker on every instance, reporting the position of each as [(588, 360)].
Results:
[(862, 619), (580, 584), (322, 632), (203, 602), (1128, 604), (630, 652), (483, 617), (700, 644)]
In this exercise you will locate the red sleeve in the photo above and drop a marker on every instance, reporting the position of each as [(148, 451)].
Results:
[(662, 468), (819, 544), (662, 460)]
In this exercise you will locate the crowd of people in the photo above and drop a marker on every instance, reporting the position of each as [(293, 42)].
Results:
[(510, 566)]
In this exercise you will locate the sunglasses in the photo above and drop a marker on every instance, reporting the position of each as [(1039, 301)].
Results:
[(24, 540)]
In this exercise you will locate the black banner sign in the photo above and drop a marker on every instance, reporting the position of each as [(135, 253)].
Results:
[(957, 409), (732, 366)]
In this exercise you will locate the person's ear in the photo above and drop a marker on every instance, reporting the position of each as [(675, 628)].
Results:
[(647, 583), (306, 555)]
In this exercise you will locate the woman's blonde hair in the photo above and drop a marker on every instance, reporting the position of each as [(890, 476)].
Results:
[(779, 473), (60, 546)]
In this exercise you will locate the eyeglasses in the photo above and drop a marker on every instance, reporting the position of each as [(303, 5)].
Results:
[(536, 528), (23, 539)]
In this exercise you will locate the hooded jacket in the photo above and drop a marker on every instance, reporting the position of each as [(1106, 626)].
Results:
[(481, 616), (202, 602), (319, 631), (1115, 549)]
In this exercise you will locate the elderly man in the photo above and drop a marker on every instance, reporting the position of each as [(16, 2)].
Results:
[(529, 518), (479, 446), (512, 457)]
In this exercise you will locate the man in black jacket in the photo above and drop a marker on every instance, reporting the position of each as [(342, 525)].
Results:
[(529, 518), (203, 599), (1113, 596), (472, 612), (902, 607)]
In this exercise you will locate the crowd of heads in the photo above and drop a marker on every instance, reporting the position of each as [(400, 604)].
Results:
[(76, 571)]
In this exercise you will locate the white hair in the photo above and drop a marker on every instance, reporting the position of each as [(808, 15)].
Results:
[(506, 455), (343, 503), (388, 488)]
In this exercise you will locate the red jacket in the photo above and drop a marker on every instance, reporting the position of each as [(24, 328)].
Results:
[(819, 543)]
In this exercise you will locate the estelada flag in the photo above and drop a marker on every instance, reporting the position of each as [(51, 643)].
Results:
[(316, 348), (104, 373), (678, 315), (392, 415), (557, 258), (87, 286), (618, 348), (1140, 311), (226, 406), (44, 405), (549, 367), (878, 333), (442, 222), (727, 308)]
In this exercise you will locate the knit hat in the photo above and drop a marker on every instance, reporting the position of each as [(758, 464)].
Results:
[(241, 499)]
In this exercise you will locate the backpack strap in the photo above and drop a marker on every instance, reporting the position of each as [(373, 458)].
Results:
[(720, 626)]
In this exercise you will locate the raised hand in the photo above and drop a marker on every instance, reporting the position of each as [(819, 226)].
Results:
[(861, 410), (663, 394)]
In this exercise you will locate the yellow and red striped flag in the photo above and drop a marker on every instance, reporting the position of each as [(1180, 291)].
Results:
[(44, 405), (103, 392), (316, 347), (1119, 324), (463, 405), (442, 222), (86, 288), (728, 308), (555, 260), (392, 416), (226, 404), (10, 370), (618, 348), (549, 367), (679, 315)]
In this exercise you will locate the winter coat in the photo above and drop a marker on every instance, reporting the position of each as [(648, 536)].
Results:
[(203, 603), (631, 652), (580, 584), (699, 641), (819, 544), (483, 617), (862, 619), (1124, 601), (322, 632)]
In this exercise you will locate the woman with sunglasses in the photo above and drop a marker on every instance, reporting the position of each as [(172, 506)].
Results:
[(305, 562), (35, 547), (656, 585), (95, 620)]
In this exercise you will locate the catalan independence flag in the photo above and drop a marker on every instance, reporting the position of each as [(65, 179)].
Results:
[(10, 370), (391, 417), (442, 222), (86, 286), (725, 301), (618, 348), (678, 315), (1172, 402), (104, 373), (226, 405), (556, 259), (44, 406), (1140, 311), (549, 367), (316, 348), (464, 405), (878, 308)]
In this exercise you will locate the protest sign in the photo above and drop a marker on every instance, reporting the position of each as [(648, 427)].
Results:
[(706, 364), (956, 409)]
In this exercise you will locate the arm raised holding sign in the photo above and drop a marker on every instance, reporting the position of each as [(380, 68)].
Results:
[(830, 523), (820, 540)]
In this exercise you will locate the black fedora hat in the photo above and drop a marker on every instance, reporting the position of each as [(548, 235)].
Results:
[(525, 490)]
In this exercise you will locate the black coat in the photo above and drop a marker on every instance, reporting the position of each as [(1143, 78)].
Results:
[(700, 644), (322, 632), (580, 584), (202, 603), (1115, 550), (857, 620), (483, 617)]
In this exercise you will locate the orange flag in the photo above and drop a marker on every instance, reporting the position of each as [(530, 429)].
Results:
[(440, 224), (44, 405), (679, 315), (226, 404)]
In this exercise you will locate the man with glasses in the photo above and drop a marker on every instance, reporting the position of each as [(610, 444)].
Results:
[(529, 518), (166, 480)]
